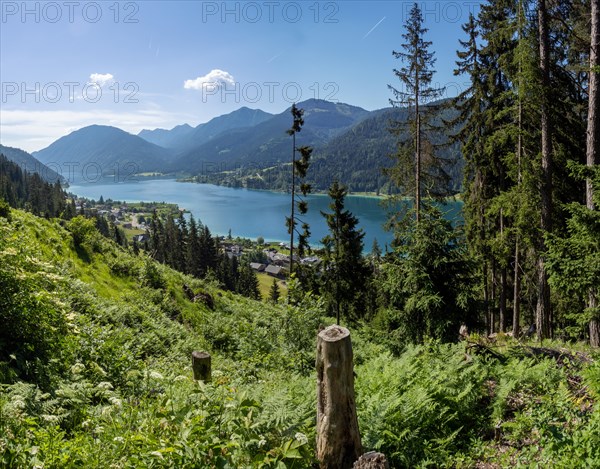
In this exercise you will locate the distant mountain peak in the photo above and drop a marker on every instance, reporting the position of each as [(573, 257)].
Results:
[(106, 149)]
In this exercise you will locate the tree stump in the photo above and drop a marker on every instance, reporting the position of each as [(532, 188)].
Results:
[(372, 460), (338, 437), (201, 366)]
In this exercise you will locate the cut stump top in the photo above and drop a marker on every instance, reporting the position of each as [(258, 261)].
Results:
[(334, 333)]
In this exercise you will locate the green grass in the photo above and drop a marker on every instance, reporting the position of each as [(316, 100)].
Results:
[(265, 281), (118, 391)]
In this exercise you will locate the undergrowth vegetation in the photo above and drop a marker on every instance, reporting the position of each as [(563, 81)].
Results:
[(95, 348)]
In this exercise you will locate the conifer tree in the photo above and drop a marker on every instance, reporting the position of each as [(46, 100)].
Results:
[(346, 273), (274, 292), (247, 282), (193, 251), (300, 168), (543, 313), (181, 248), (593, 149), (416, 76), (155, 232), (208, 251), (376, 250)]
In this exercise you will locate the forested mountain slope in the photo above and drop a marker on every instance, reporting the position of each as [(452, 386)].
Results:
[(30, 164)]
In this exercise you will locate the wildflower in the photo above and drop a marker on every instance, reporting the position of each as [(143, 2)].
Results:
[(104, 386), (301, 438)]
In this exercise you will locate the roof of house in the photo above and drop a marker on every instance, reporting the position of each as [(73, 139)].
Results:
[(273, 269)]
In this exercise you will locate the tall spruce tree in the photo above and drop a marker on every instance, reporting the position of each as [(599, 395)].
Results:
[(527, 121), (543, 311), (193, 251), (299, 168), (593, 148), (346, 273), (473, 128), (428, 283), (416, 76), (181, 248)]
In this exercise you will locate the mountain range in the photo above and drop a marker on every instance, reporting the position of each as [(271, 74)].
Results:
[(350, 144)]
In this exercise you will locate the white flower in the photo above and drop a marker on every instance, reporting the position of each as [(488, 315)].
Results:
[(301, 438), (115, 401), (118, 439), (77, 368), (50, 418), (104, 386)]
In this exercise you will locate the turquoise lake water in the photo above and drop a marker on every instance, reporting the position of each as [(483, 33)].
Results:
[(248, 213)]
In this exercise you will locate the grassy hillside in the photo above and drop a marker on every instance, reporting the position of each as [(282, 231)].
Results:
[(106, 379), (95, 350)]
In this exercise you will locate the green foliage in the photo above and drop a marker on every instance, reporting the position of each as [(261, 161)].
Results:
[(33, 320), (423, 407), (345, 276), (5, 210), (299, 186), (427, 281), (150, 275), (274, 292), (116, 385), (574, 258), (82, 229), (30, 191)]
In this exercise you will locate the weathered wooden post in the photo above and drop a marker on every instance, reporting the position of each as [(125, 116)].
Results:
[(338, 438), (201, 366)]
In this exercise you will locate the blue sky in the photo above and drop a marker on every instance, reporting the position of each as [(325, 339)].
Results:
[(149, 64)]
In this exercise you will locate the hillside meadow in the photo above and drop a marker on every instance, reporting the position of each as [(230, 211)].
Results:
[(95, 348)]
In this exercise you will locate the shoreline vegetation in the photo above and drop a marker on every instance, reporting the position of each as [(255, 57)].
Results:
[(367, 194)]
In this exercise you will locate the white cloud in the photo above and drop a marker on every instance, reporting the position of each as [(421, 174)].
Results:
[(101, 78), (215, 78)]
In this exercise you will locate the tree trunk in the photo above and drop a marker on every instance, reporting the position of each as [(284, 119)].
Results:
[(503, 295), (593, 128), (293, 204), (542, 316), (338, 438), (595, 333), (201, 364), (418, 166), (517, 269), (486, 299), (493, 299), (517, 293), (543, 313), (593, 139), (503, 286)]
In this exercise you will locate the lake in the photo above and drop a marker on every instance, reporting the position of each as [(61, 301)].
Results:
[(248, 213)]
